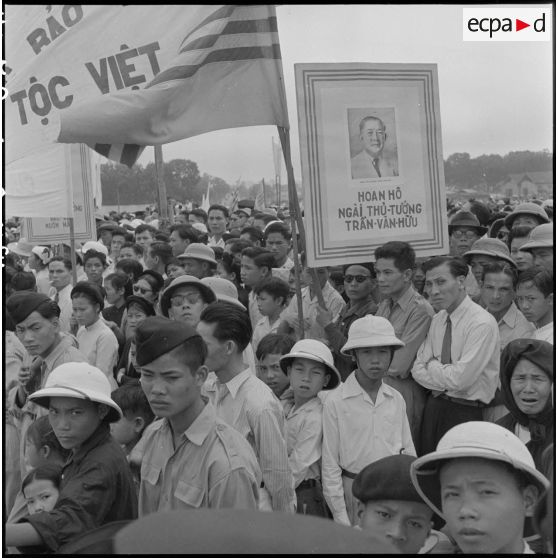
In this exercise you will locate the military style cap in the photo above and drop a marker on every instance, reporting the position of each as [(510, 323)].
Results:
[(22, 303), (157, 336)]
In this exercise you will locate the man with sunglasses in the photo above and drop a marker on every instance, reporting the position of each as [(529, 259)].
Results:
[(360, 282), (410, 315)]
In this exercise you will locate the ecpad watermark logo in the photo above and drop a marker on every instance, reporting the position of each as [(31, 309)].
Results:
[(507, 24)]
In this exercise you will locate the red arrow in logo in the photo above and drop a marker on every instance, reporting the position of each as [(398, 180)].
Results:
[(519, 25)]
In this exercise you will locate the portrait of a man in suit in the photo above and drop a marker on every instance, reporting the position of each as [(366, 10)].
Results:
[(371, 161)]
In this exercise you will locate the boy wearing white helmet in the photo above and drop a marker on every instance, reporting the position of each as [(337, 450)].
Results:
[(482, 480), (97, 485), (310, 369), (365, 419)]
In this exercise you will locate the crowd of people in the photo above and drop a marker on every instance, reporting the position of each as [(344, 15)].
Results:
[(412, 400)]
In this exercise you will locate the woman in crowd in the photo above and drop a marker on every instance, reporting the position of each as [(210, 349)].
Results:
[(95, 339), (526, 376), (137, 309)]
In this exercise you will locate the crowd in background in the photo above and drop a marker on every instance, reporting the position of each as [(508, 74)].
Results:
[(323, 415)]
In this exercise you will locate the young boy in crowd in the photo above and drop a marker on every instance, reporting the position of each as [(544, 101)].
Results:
[(365, 419), (390, 507), (310, 369), (268, 354), (271, 296), (136, 416), (535, 298), (482, 480)]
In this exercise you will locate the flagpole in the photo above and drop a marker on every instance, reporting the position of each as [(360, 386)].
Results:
[(263, 190), (294, 207), (161, 186)]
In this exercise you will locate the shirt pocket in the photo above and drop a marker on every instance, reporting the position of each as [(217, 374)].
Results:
[(189, 494), (151, 474)]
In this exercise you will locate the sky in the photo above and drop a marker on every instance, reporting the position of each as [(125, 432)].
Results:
[(495, 97)]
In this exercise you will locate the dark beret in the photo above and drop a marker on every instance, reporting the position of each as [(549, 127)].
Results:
[(22, 303), (157, 335), (90, 289), (142, 303), (387, 479)]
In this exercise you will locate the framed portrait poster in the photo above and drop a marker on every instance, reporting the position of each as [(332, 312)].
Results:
[(372, 162)]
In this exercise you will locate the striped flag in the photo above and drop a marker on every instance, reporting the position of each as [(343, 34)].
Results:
[(227, 73)]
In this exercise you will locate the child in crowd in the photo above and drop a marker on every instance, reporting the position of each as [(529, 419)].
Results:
[(41, 488), (482, 480), (136, 416), (268, 354), (365, 419), (309, 367), (272, 295), (390, 507), (174, 269), (535, 298), (41, 448)]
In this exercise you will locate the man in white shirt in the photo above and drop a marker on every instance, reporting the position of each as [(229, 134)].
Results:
[(245, 402), (60, 275), (459, 359), (278, 241), (217, 220)]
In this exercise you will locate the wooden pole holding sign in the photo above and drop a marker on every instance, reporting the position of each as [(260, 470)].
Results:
[(297, 223)]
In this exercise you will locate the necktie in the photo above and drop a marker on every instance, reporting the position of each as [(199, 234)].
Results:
[(376, 164), (57, 297), (445, 357)]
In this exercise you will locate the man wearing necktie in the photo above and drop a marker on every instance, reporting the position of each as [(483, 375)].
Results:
[(458, 362), (371, 162)]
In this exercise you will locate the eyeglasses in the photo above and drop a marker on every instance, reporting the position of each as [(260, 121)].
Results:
[(179, 300), (469, 235), (138, 289), (358, 278)]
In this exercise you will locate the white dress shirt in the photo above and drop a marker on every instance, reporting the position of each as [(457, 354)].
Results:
[(65, 304), (475, 354), (357, 432), (514, 325), (304, 439)]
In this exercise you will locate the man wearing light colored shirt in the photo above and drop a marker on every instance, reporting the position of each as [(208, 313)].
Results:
[(410, 315), (499, 282), (460, 357), (191, 459), (245, 402)]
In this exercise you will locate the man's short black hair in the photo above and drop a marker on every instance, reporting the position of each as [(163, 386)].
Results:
[(232, 323), (255, 234), (145, 227), (280, 228), (130, 267), (199, 212), (542, 280), (274, 286), (185, 232), (218, 207), (66, 261), (457, 266), (501, 267), (162, 250), (402, 254)]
